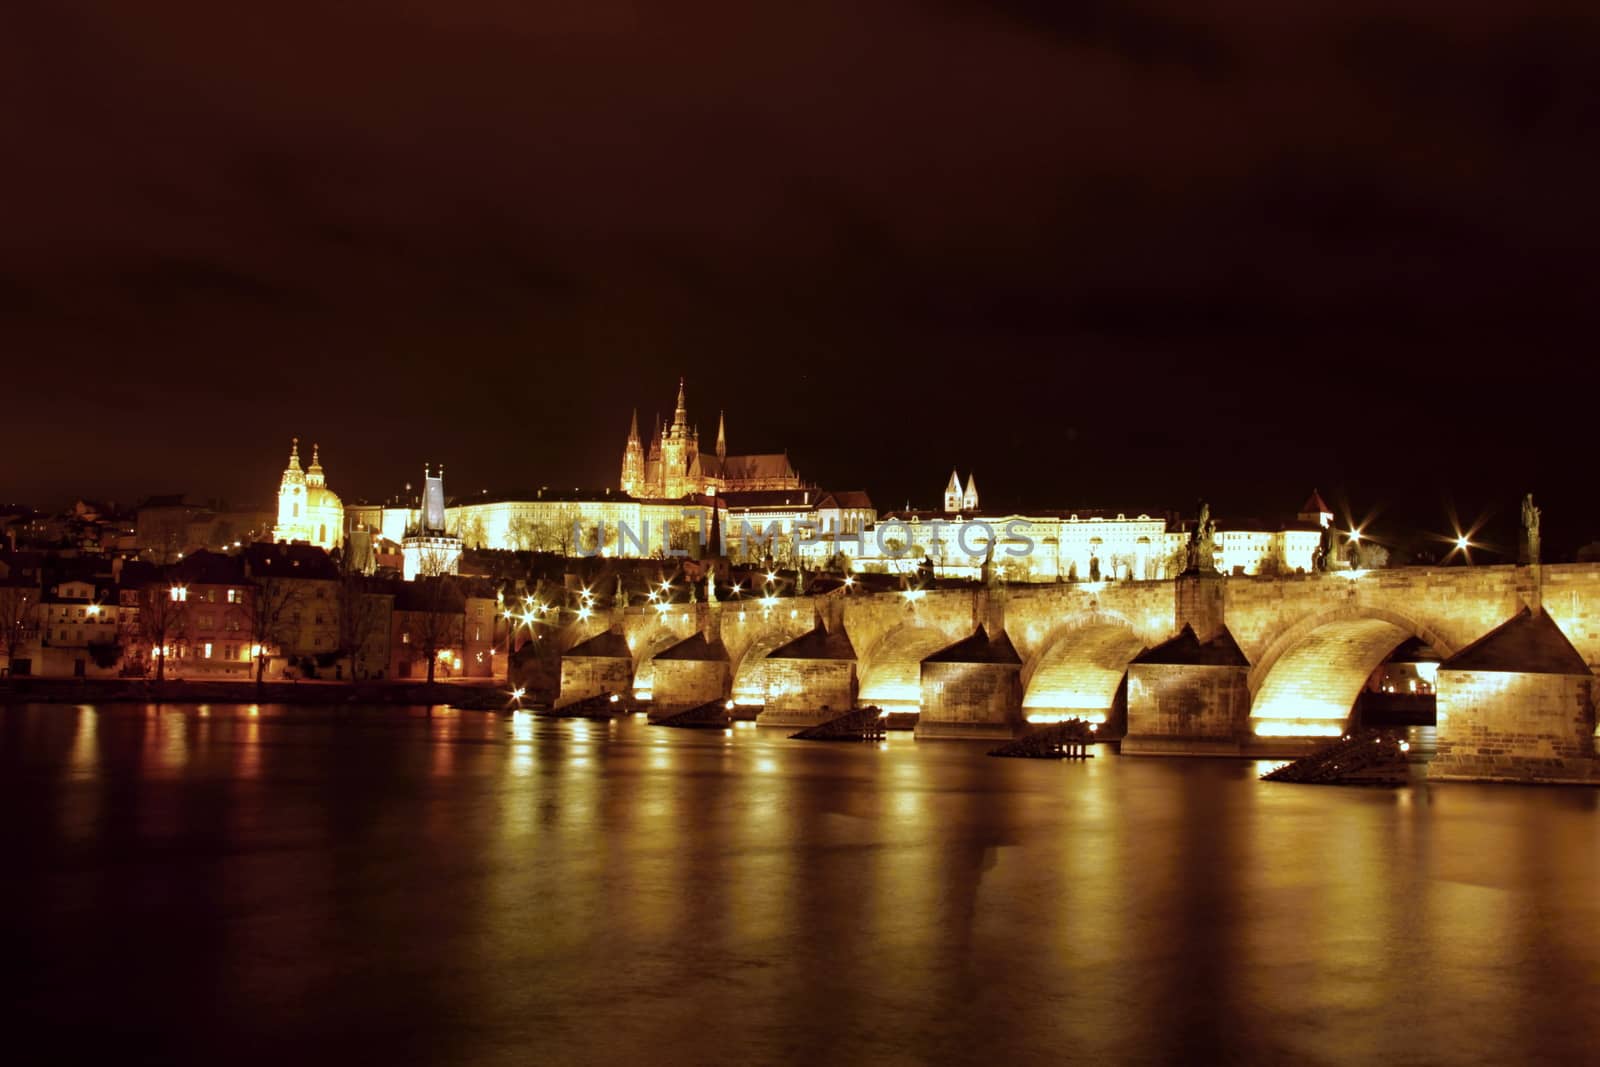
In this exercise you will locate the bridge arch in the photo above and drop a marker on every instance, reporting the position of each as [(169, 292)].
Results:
[(645, 649), (1080, 669), (1307, 681), (891, 674), (750, 669)]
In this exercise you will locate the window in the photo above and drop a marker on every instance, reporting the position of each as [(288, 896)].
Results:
[(236, 596), (405, 637)]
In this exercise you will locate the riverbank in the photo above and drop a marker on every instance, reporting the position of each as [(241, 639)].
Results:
[(475, 695)]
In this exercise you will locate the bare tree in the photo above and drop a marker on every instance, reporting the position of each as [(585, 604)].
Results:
[(163, 619), (523, 534), (437, 618), (267, 608), (560, 534), (18, 604), (360, 617)]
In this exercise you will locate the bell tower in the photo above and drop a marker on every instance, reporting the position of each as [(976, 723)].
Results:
[(292, 520), (952, 493)]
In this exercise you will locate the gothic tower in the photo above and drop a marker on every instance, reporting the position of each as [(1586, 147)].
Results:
[(969, 499), (722, 438), (633, 460), (675, 451)]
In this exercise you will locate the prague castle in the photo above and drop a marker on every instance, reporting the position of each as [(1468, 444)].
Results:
[(307, 509), (674, 467)]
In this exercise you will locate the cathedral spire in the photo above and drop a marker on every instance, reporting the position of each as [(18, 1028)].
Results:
[(680, 417), (633, 428), (722, 437), (294, 453)]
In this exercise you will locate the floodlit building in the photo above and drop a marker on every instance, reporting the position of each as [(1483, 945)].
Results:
[(430, 547), (672, 465), (307, 509)]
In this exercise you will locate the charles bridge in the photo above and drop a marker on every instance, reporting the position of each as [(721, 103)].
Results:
[(1198, 665)]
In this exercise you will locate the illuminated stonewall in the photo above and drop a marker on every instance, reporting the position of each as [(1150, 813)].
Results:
[(1517, 705)]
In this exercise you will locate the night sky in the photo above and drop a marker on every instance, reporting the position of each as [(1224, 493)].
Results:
[(1100, 253)]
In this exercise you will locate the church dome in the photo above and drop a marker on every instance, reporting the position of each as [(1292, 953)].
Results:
[(320, 496)]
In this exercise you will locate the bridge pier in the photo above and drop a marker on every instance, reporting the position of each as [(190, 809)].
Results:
[(690, 673), (1518, 706), (972, 689), (810, 680), (602, 664), (1188, 697)]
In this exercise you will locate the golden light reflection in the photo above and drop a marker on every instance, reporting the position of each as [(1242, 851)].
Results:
[(85, 752)]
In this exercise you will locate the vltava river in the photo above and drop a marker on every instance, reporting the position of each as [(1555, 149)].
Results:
[(383, 886)]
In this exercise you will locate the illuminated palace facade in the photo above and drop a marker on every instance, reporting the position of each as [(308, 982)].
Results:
[(1052, 545)]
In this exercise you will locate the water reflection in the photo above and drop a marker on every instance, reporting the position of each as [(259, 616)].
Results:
[(466, 886)]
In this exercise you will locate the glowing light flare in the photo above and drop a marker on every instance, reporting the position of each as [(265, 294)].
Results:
[(1092, 717), (1297, 728)]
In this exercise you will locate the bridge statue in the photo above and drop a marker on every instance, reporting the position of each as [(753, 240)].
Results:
[(1202, 542), (711, 585), (622, 595), (1530, 529), (1323, 560)]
